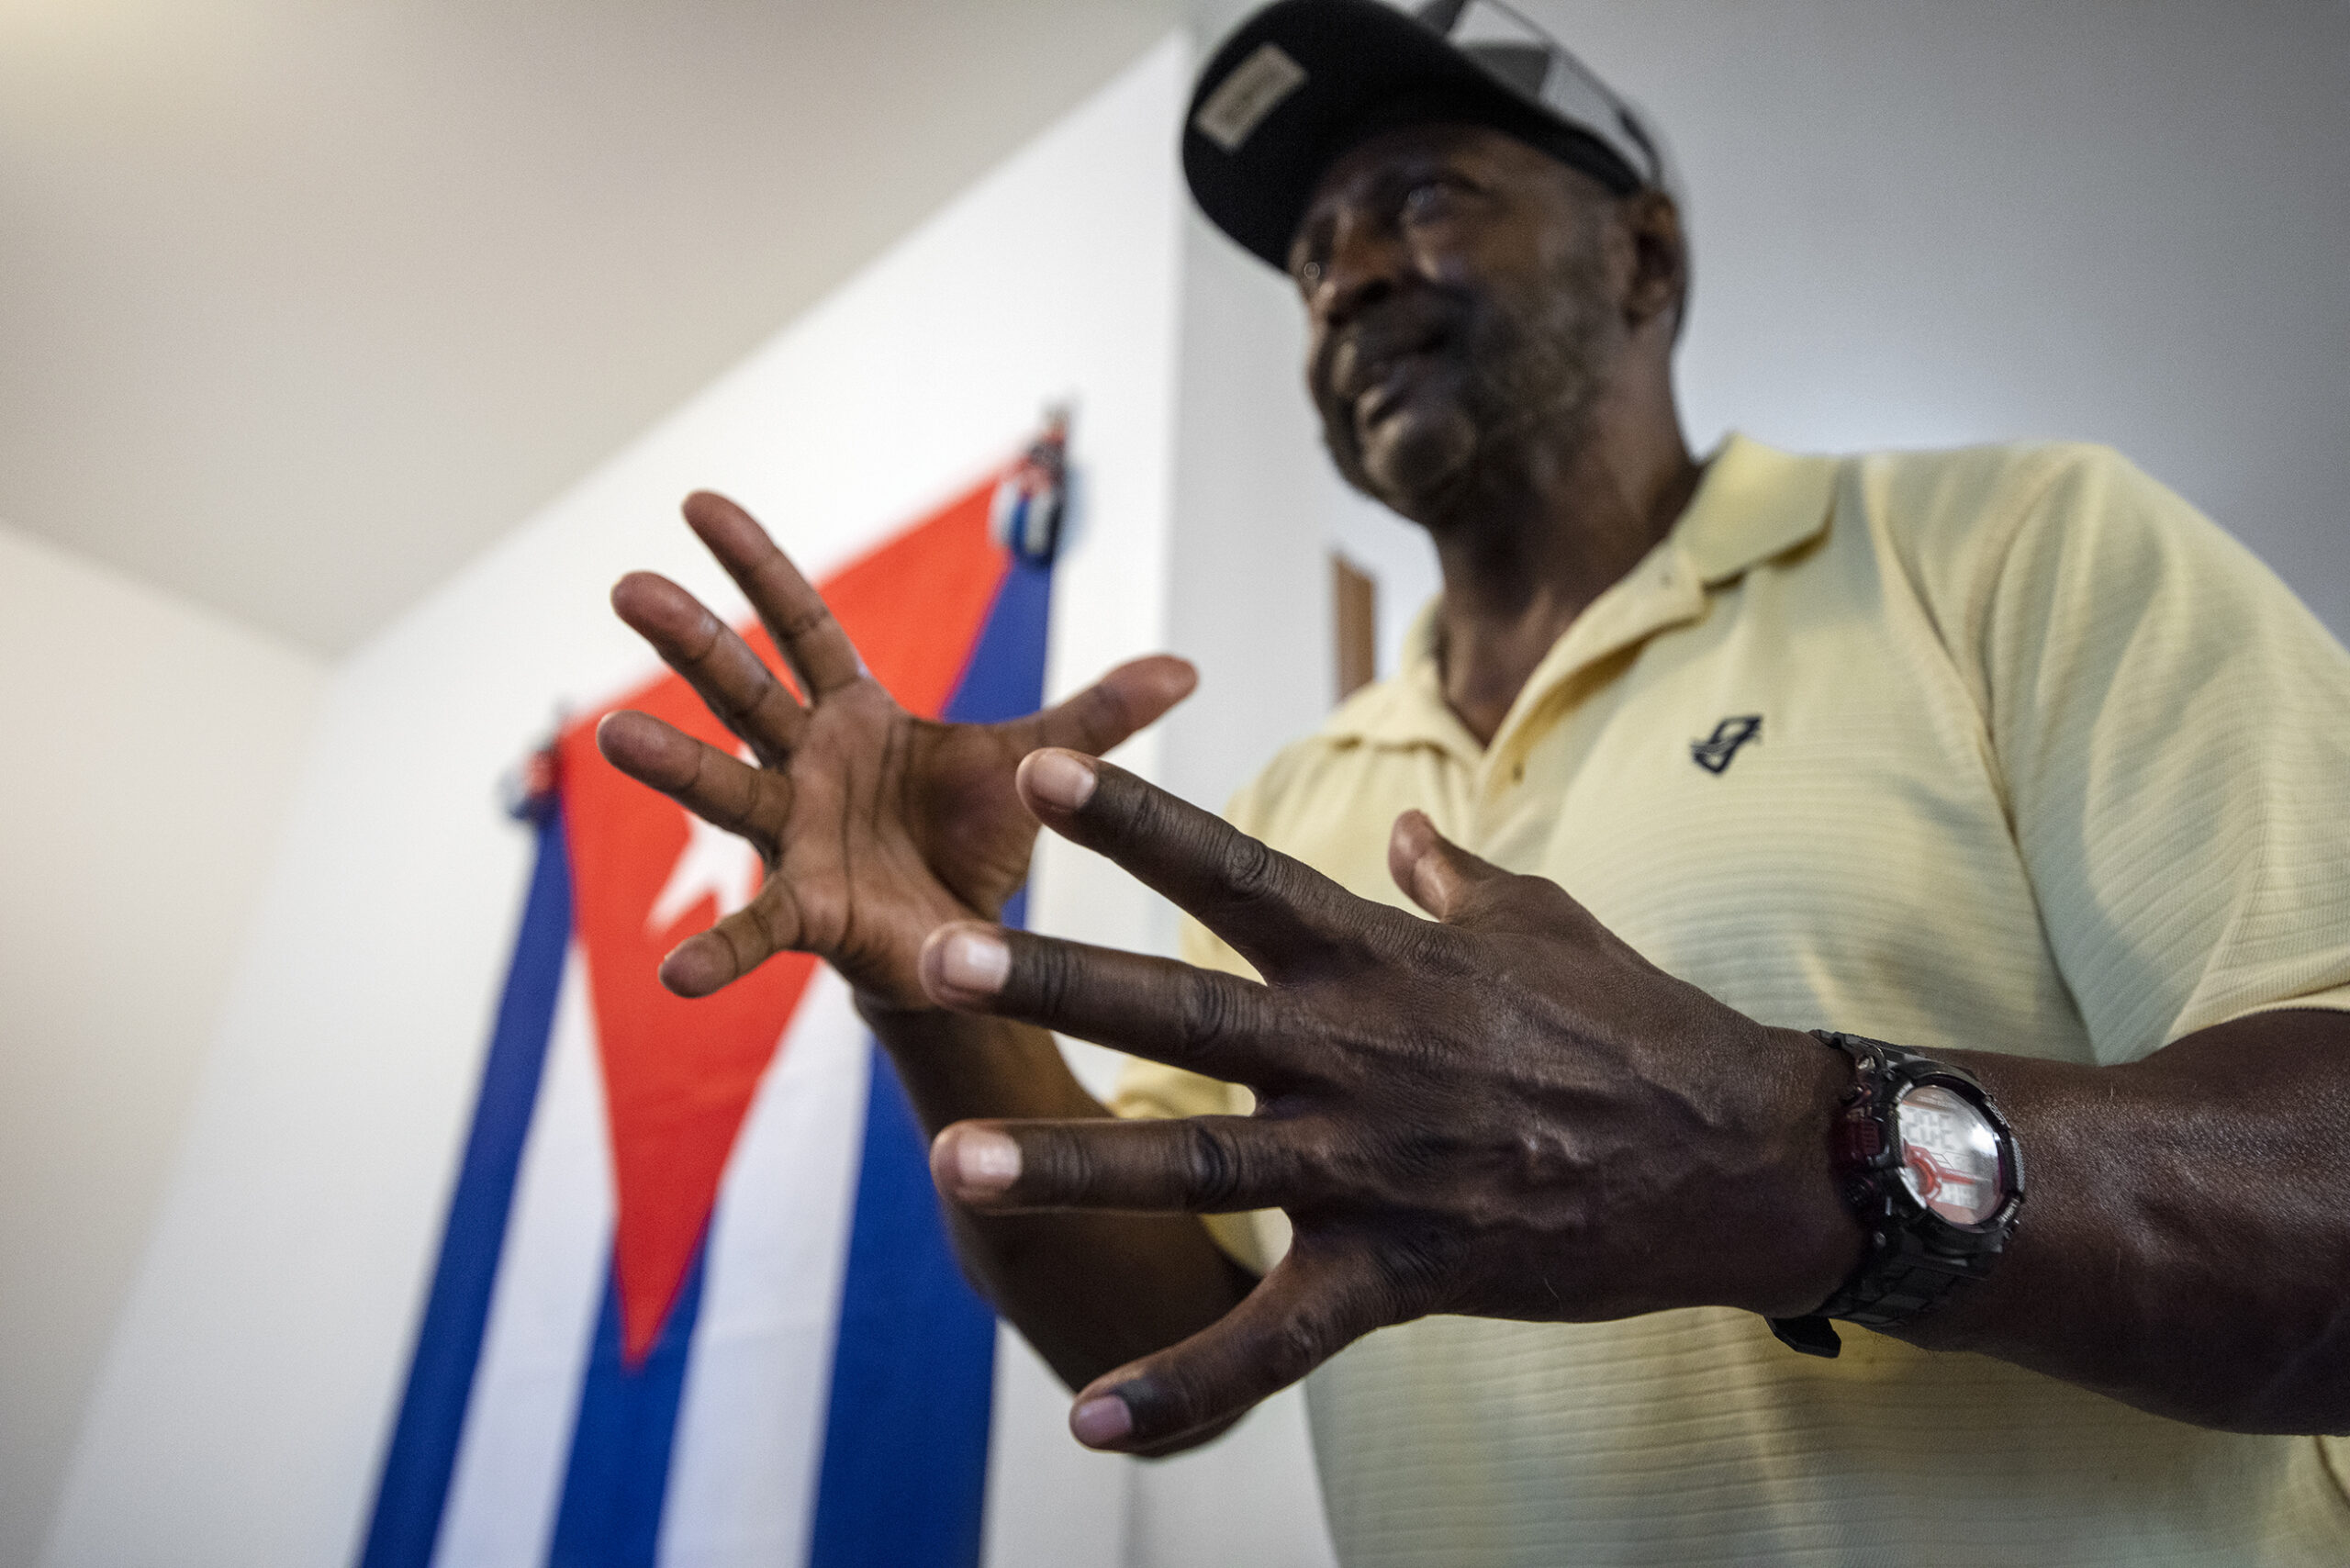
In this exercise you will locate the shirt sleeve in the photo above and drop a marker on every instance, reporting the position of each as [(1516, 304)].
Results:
[(2173, 727)]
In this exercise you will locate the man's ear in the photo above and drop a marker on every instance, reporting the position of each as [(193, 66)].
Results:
[(1660, 286)]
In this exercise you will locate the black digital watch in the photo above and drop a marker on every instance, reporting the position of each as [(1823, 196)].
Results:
[(1933, 1172)]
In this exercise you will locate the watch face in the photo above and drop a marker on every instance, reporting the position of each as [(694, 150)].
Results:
[(1950, 1156)]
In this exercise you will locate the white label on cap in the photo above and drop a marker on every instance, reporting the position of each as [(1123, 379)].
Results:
[(1243, 99)]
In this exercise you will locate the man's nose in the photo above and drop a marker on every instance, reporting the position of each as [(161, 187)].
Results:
[(1366, 262)]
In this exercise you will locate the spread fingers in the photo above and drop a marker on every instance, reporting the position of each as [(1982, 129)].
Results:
[(794, 613), (723, 790), (733, 681)]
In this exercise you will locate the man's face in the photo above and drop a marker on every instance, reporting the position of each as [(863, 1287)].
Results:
[(1456, 288)]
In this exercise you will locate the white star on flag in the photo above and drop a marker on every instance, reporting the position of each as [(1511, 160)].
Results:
[(714, 863)]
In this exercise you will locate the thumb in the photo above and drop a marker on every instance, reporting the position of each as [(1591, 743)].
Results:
[(1129, 699), (1437, 872)]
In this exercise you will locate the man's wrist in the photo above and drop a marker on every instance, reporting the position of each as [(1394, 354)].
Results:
[(1820, 1239)]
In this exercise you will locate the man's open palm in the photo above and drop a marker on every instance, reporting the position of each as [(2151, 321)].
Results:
[(876, 826)]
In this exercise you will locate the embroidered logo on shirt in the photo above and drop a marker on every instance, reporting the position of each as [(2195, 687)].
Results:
[(1713, 753)]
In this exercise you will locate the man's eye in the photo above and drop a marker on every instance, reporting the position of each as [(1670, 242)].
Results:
[(1427, 201)]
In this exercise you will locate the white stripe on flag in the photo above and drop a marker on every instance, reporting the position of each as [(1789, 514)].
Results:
[(751, 1426), (551, 1275)]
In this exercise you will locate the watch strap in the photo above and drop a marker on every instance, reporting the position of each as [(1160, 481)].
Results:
[(1899, 1276)]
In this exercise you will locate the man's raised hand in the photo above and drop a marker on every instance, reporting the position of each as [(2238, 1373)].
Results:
[(876, 826), (1503, 1112)]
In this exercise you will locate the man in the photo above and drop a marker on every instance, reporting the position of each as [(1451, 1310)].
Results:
[(2004, 757)]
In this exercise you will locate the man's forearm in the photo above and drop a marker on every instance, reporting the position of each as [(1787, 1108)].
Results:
[(2183, 1248), (1089, 1290)]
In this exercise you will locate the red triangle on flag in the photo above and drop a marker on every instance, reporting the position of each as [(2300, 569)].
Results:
[(678, 1075)]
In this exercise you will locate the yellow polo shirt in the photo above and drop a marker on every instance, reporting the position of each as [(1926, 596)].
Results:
[(2038, 761)]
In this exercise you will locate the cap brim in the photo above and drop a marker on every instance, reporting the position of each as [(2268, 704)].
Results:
[(1358, 57)]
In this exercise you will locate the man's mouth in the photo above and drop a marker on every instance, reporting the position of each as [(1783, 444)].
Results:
[(1385, 383), (1385, 359)]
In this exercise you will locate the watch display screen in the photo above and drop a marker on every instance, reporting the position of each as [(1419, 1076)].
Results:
[(1950, 1156)]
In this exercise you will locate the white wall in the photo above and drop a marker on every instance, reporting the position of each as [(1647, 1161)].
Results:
[(150, 755), (1248, 595)]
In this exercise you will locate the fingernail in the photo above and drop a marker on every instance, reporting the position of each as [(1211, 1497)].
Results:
[(985, 1161), (683, 973), (1059, 779), (973, 960), (1100, 1422)]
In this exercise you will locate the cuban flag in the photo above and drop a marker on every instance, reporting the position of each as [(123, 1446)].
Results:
[(694, 1302)]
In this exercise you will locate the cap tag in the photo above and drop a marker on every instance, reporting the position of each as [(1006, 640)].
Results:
[(1242, 100)]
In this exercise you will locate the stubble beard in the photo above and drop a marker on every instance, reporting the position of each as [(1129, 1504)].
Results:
[(1521, 372)]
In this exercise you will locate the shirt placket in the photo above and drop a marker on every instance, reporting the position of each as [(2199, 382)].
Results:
[(1664, 590)]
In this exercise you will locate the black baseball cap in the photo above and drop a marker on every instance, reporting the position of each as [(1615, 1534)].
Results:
[(1301, 80)]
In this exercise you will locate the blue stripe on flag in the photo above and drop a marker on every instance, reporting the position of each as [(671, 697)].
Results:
[(1004, 677), (904, 1476), (424, 1450), (618, 1472), (906, 1439)]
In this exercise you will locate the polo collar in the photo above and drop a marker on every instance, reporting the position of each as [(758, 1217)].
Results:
[(1408, 709), (1753, 504)]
